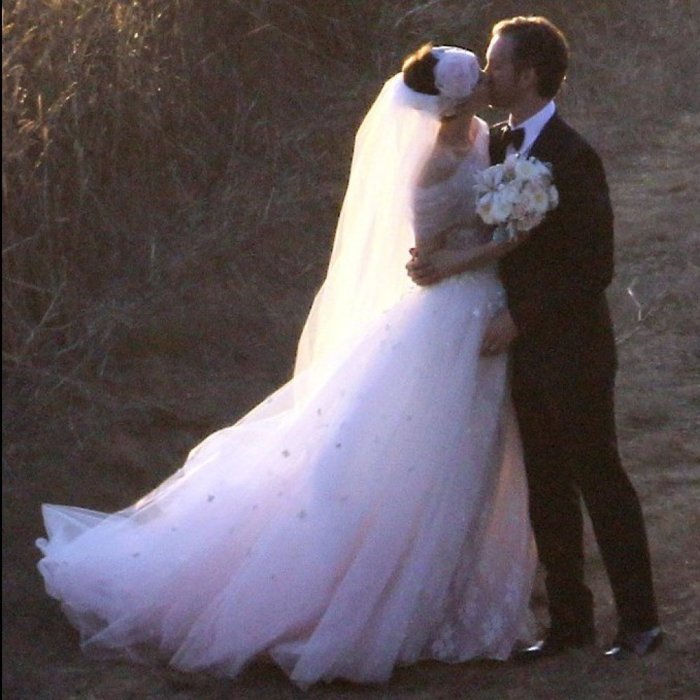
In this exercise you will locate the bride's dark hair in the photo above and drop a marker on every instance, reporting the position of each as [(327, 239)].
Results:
[(418, 70)]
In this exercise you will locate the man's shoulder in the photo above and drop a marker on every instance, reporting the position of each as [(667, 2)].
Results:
[(566, 148), (560, 131)]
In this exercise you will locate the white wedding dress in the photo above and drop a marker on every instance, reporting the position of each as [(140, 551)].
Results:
[(370, 518)]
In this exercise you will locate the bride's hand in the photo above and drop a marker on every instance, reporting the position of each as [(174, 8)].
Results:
[(420, 268), (428, 268)]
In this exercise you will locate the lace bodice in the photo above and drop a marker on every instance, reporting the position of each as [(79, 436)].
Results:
[(448, 207)]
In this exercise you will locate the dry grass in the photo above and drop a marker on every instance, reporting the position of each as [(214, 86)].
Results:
[(172, 171), (110, 143), (148, 143)]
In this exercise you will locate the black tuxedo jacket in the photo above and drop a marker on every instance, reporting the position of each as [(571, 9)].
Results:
[(555, 282)]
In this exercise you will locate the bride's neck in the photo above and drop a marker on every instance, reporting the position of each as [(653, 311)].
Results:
[(455, 132)]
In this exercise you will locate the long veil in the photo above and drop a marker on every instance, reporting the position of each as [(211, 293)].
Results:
[(367, 274)]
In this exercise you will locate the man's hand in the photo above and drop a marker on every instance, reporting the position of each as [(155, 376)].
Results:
[(500, 333)]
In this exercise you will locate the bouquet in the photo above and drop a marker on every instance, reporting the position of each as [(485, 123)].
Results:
[(515, 195)]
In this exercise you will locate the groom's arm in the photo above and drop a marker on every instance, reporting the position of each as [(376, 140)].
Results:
[(573, 257)]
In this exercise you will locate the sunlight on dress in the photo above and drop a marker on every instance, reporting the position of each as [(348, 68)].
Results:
[(375, 517)]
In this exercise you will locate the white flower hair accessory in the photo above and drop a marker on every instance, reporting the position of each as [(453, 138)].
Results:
[(456, 73)]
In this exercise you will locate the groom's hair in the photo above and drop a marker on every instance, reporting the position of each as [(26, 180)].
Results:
[(537, 44)]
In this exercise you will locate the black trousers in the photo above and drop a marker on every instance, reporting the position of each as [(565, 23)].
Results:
[(571, 454)]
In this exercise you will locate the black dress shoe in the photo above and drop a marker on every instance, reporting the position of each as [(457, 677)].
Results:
[(628, 643), (554, 643)]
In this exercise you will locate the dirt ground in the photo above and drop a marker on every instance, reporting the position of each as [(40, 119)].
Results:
[(654, 299)]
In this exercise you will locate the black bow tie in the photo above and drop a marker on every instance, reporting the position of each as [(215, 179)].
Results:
[(514, 136)]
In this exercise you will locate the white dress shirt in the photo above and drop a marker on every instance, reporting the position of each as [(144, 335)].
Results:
[(533, 126)]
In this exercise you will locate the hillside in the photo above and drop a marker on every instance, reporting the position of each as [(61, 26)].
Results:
[(168, 209)]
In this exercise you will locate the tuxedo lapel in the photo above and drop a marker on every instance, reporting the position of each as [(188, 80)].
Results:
[(550, 140)]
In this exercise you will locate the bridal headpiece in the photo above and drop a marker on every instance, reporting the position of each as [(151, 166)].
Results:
[(455, 73)]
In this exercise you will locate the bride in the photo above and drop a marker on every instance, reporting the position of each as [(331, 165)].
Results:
[(372, 511)]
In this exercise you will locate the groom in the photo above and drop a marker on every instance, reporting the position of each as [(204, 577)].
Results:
[(558, 331)]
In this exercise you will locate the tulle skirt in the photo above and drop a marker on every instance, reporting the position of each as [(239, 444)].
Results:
[(371, 512)]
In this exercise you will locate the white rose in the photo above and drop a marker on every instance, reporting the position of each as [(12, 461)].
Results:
[(490, 178), (484, 206), (540, 202), (537, 197), (501, 206), (509, 192), (529, 221), (523, 207), (553, 194), (525, 169), (541, 180)]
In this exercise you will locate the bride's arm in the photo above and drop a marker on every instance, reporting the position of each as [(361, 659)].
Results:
[(429, 233), (428, 198)]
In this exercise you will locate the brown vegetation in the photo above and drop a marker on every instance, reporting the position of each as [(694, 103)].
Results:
[(172, 171)]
